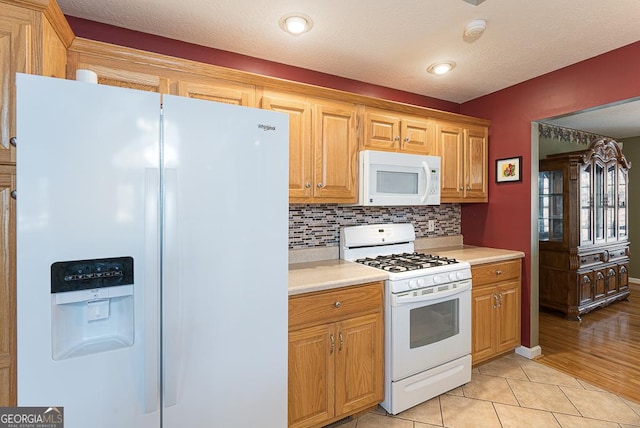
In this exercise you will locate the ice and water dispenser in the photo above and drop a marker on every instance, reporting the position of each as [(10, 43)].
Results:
[(91, 306)]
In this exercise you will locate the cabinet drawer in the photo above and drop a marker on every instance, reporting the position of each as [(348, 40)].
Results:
[(589, 259), (327, 306), (493, 272)]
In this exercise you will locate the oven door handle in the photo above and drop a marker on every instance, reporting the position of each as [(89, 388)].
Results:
[(404, 299)]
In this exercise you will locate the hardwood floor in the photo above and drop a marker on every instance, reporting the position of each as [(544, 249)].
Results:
[(603, 349)]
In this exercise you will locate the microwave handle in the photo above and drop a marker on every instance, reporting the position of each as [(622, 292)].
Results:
[(425, 167)]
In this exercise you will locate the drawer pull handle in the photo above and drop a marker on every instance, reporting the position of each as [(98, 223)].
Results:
[(498, 272), (333, 344), (338, 304), (583, 260), (341, 342)]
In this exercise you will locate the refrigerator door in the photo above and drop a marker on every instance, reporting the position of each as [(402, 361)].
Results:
[(88, 183), (225, 265)]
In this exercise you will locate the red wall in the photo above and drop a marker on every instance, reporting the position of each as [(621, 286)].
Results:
[(505, 221), (148, 42)]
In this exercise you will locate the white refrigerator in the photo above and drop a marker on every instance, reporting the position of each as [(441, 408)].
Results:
[(151, 258)]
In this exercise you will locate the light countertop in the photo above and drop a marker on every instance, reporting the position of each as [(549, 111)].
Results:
[(327, 274)]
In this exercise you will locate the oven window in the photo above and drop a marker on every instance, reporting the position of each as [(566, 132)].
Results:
[(404, 183), (433, 323)]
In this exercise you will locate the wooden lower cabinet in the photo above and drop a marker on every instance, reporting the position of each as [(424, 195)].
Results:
[(7, 287), (496, 296), (336, 349)]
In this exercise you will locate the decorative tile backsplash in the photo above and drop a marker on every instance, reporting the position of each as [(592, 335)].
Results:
[(319, 225)]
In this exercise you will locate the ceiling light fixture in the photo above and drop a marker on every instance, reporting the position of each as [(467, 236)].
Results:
[(296, 23), (474, 29), (442, 67)]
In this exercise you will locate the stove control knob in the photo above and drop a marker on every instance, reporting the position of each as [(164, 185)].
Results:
[(413, 283), (452, 277), (421, 282), (437, 279), (460, 275)]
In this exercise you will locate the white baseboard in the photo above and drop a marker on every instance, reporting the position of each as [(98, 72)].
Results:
[(634, 280), (529, 353)]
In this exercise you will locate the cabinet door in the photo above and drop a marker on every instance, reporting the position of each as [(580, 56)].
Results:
[(622, 204), (7, 288), (311, 375), (599, 201), (218, 91), (359, 363), (450, 140), (335, 151), (623, 277), (300, 144), (382, 132), (15, 48), (508, 321), (476, 158), (585, 285), (611, 274), (599, 284), (418, 136), (483, 309)]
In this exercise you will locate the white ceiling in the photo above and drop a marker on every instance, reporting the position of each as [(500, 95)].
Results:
[(618, 120), (392, 42)]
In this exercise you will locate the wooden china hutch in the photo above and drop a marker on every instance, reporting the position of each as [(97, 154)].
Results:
[(582, 224)]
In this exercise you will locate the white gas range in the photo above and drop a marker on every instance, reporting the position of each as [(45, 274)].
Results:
[(427, 313)]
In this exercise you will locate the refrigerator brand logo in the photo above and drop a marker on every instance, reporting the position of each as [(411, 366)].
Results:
[(31, 417), (266, 127)]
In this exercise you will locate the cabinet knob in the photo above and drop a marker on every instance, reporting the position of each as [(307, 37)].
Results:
[(468, 187), (307, 185), (338, 304), (407, 139), (498, 272), (461, 188), (14, 194), (320, 185), (13, 141), (397, 138)]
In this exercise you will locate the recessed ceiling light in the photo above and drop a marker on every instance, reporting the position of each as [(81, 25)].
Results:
[(441, 67), (296, 23)]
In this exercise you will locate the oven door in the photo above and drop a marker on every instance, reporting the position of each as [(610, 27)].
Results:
[(429, 330)]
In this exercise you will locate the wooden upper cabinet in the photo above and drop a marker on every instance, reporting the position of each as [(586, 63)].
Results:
[(335, 152), (300, 140), (15, 57), (450, 150), (464, 156), (322, 147), (386, 130), (418, 136), (218, 91), (476, 164), (381, 132)]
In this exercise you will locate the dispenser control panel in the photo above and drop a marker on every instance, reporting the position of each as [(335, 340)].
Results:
[(79, 275)]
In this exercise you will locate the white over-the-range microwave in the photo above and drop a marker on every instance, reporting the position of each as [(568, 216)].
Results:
[(389, 178)]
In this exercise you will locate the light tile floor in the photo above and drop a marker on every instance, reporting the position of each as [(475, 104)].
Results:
[(513, 392)]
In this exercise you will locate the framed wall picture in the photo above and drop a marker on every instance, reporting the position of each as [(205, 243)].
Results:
[(509, 169)]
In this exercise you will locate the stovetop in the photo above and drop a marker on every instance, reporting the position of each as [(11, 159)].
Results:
[(406, 261), (390, 247)]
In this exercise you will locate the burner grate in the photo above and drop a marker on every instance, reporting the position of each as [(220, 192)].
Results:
[(406, 261)]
